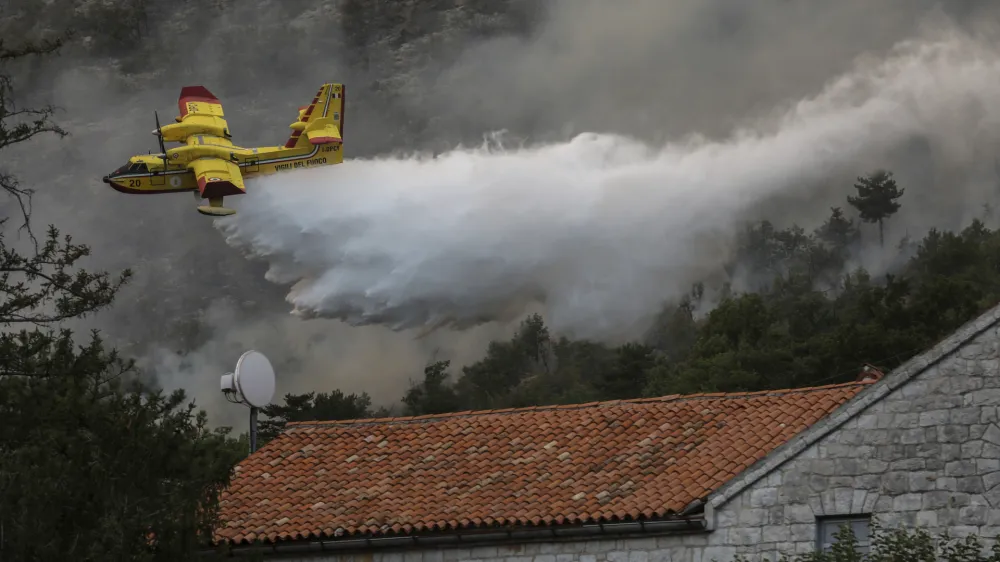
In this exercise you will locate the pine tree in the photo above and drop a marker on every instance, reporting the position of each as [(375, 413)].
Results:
[(876, 199)]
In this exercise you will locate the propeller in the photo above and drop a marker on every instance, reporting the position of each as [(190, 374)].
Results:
[(159, 136)]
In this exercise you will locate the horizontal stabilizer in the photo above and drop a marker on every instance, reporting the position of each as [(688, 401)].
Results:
[(325, 135)]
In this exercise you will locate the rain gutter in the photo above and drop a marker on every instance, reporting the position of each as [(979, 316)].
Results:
[(480, 537)]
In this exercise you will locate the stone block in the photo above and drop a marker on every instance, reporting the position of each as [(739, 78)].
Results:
[(993, 497), (916, 388), (588, 558), (870, 501), (896, 483), (638, 556), (875, 436), (934, 464), (907, 502), (818, 483), (910, 436), (960, 468), (799, 513), (973, 515), (868, 421), (922, 481), (718, 554), (985, 397), (847, 467), (927, 519), (941, 402), (965, 416), (992, 434), (988, 414), (744, 536), (763, 497), (567, 557), (794, 493), (937, 499), (753, 517), (934, 418), (613, 556), (776, 514), (602, 547), (905, 420), (803, 532), (972, 449), (970, 485), (952, 433), (931, 450), (989, 533), (455, 554), (776, 533), (661, 555), (725, 518), (775, 478), (883, 504), (951, 452), (962, 531)]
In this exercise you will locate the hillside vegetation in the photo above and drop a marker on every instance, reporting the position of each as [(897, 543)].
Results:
[(809, 318), (95, 466)]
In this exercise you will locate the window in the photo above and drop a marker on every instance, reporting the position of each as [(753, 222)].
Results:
[(138, 167), (828, 527)]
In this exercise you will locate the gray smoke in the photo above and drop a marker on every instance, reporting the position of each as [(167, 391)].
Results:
[(425, 76), (601, 228)]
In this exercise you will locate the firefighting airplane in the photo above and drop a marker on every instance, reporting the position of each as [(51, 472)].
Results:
[(211, 166)]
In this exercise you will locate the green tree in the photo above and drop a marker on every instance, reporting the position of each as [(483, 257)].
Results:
[(877, 199), (325, 406), (93, 466), (433, 395)]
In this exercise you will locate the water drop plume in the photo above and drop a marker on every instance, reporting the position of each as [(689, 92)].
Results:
[(600, 228)]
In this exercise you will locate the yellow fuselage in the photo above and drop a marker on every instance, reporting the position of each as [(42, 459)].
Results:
[(145, 173)]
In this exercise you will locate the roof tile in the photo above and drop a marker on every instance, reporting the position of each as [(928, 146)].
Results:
[(601, 461)]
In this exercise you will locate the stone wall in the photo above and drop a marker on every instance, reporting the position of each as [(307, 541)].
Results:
[(925, 454), (922, 447)]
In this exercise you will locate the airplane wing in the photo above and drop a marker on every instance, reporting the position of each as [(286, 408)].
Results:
[(217, 177), (198, 101)]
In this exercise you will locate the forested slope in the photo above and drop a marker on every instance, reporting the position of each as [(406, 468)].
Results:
[(807, 316)]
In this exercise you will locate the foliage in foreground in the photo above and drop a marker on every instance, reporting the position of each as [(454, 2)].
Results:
[(92, 465), (900, 545)]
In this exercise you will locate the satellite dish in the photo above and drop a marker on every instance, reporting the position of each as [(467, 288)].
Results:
[(252, 381)]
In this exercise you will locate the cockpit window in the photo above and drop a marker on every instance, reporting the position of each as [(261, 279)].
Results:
[(138, 167)]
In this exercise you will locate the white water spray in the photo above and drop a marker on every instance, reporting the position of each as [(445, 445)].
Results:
[(601, 228)]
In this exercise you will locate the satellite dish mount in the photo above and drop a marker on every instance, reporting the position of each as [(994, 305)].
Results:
[(252, 384)]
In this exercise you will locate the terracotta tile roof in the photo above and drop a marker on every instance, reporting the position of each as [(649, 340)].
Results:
[(598, 462)]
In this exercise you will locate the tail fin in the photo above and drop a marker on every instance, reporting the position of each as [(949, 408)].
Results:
[(322, 121)]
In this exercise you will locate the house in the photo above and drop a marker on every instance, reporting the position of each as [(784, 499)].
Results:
[(677, 478)]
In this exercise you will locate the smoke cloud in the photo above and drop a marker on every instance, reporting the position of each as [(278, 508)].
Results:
[(643, 74), (601, 228)]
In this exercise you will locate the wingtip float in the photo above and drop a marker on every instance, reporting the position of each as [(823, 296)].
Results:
[(211, 166)]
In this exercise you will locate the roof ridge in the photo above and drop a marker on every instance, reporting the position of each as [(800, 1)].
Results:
[(580, 406)]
